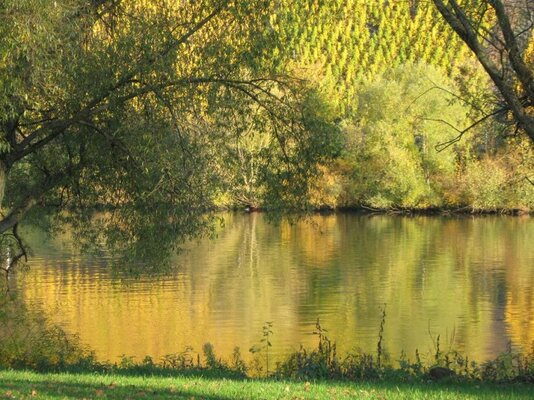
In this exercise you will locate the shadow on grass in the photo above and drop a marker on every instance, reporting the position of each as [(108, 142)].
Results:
[(22, 388), (456, 389), (205, 373), (55, 386)]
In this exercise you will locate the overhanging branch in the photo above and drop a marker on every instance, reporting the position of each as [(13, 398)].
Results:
[(16, 214), (55, 128)]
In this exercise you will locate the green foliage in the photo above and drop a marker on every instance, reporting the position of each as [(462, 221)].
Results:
[(150, 113), (316, 364), (211, 359), (274, 168), (324, 363), (28, 340), (398, 124), (356, 41), (501, 181), (349, 52), (182, 360), (265, 344), (485, 182), (237, 362), (22, 384), (155, 114)]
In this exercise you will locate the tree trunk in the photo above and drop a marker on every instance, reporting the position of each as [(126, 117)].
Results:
[(505, 76)]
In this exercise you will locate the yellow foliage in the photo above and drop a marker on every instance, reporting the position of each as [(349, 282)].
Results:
[(326, 189)]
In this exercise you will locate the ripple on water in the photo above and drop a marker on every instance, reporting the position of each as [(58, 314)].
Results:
[(467, 278)]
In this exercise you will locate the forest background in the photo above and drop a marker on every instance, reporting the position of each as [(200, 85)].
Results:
[(403, 88)]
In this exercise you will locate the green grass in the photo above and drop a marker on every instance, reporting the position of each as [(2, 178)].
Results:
[(32, 385)]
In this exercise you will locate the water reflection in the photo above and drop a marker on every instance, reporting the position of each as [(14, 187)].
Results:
[(470, 280)]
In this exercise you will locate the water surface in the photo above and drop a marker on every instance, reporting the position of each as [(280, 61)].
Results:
[(470, 280)]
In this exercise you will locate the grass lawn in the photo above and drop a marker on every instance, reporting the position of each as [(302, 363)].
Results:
[(31, 385)]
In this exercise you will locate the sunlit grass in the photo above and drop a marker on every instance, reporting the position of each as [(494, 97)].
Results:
[(22, 384)]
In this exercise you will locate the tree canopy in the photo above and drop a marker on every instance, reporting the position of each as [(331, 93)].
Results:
[(135, 109)]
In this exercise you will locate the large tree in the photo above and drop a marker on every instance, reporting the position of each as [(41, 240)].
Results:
[(134, 109), (498, 33)]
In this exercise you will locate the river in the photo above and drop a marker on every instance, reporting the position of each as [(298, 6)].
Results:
[(468, 279)]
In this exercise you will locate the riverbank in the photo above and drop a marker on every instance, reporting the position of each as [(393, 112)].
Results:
[(26, 385), (358, 209)]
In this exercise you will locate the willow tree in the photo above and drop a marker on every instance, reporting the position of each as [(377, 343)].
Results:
[(131, 108), (498, 33)]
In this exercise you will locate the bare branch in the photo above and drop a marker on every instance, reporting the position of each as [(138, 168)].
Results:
[(442, 146), (456, 17)]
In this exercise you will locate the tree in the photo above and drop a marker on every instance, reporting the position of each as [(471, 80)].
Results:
[(498, 32), (128, 107), (398, 123)]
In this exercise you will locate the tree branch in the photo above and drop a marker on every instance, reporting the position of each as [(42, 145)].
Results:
[(58, 127), (442, 146), (36, 195), (455, 16)]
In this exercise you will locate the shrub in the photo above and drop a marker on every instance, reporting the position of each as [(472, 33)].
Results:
[(28, 340), (397, 124)]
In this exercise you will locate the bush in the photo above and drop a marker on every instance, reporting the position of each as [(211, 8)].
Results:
[(485, 185), (29, 341), (397, 123)]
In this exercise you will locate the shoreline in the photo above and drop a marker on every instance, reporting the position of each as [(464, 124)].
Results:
[(431, 211)]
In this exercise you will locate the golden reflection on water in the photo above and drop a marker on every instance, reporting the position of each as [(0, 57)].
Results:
[(470, 280)]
